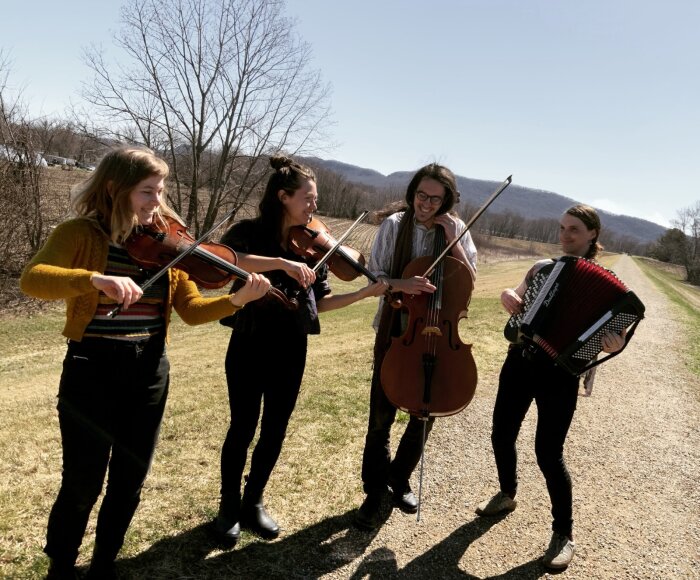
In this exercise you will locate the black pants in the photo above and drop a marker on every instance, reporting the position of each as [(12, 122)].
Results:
[(378, 469), (110, 405), (522, 380), (261, 371)]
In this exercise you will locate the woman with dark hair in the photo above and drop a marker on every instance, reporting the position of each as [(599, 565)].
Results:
[(110, 420), (407, 232), (267, 352), (527, 377)]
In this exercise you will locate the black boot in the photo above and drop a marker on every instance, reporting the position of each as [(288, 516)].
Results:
[(102, 566), (403, 498), (255, 518), (369, 515), (227, 527), (60, 570)]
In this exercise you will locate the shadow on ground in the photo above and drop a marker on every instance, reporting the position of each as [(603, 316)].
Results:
[(321, 549)]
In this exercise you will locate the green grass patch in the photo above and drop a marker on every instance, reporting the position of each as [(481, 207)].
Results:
[(685, 298)]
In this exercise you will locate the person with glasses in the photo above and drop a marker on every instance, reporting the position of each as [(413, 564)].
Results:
[(407, 231)]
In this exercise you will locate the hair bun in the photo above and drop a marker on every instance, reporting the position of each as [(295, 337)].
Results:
[(280, 161)]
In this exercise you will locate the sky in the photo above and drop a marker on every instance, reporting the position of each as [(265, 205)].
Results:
[(595, 100)]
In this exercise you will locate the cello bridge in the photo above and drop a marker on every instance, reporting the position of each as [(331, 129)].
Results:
[(431, 330)]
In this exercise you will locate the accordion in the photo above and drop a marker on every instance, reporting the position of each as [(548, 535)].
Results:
[(568, 307)]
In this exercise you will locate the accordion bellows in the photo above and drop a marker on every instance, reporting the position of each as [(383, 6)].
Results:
[(568, 307)]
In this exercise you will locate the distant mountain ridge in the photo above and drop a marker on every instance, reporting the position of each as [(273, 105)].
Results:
[(525, 201)]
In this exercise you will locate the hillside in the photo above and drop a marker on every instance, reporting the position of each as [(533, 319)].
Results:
[(525, 201)]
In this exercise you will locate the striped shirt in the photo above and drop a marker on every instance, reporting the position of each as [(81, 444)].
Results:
[(143, 319)]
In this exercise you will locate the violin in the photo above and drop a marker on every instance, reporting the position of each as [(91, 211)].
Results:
[(314, 240), (210, 265), (429, 371)]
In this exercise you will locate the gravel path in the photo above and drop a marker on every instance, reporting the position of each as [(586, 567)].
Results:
[(633, 453)]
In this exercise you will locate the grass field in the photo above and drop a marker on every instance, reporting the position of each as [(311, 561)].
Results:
[(669, 280), (317, 475)]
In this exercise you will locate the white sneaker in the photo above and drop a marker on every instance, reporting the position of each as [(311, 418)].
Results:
[(498, 504), (559, 553)]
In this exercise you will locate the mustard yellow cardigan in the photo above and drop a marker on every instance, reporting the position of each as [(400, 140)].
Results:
[(75, 251)]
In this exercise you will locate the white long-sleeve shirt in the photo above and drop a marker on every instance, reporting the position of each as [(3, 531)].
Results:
[(423, 241)]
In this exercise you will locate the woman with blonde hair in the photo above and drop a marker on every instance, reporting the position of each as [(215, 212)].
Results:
[(115, 378)]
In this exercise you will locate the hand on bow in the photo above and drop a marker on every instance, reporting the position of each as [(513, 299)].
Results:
[(256, 286), (413, 285), (122, 289), (300, 272)]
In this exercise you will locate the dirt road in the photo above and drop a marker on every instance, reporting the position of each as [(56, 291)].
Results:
[(634, 456)]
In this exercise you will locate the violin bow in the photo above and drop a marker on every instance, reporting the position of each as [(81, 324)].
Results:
[(186, 252), (340, 240), (469, 224)]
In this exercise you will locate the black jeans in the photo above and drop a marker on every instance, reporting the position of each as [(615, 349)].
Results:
[(524, 379), (378, 469), (110, 401), (265, 371)]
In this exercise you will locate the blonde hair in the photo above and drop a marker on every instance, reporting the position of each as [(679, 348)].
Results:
[(105, 195)]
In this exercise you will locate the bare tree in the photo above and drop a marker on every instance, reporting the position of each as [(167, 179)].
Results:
[(688, 222), (22, 228), (339, 197), (214, 85)]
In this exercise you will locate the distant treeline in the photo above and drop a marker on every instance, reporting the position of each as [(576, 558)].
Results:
[(342, 198)]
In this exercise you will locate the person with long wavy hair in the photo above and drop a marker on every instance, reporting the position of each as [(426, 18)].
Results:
[(408, 231)]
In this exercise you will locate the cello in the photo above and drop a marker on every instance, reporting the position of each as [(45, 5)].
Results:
[(428, 371)]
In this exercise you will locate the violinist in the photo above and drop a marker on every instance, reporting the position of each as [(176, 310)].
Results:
[(407, 232), (525, 378), (267, 351), (115, 376)]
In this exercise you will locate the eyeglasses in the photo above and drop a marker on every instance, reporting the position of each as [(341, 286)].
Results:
[(434, 199)]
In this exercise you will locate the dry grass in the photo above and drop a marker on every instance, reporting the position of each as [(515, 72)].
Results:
[(313, 489)]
